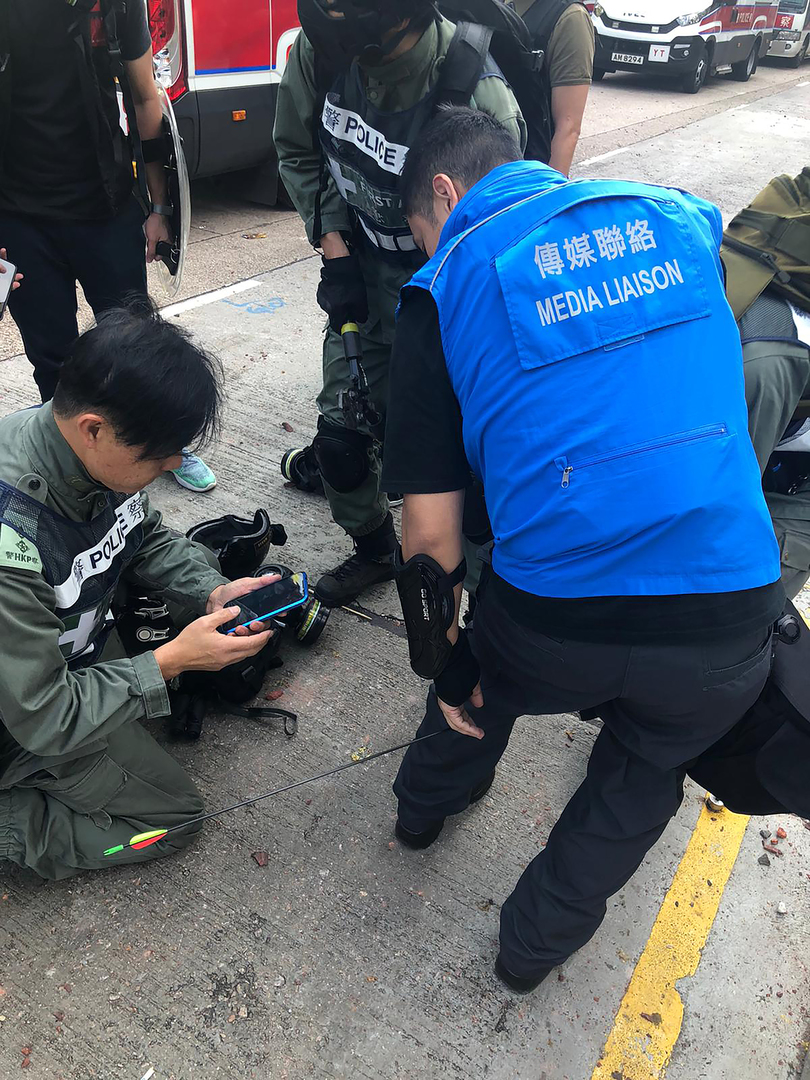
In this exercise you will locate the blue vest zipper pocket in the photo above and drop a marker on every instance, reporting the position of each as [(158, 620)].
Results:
[(567, 468)]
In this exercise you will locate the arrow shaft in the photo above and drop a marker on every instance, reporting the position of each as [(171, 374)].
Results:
[(300, 783)]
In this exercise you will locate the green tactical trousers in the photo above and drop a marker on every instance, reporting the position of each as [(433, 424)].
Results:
[(60, 818), (363, 510), (777, 376)]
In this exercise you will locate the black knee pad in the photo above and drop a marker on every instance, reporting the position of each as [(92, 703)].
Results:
[(342, 455)]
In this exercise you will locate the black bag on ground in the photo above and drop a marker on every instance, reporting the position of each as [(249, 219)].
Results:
[(227, 690), (143, 623)]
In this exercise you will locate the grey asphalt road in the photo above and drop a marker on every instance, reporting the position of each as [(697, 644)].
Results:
[(348, 957)]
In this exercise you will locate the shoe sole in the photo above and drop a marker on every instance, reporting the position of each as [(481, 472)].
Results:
[(191, 487)]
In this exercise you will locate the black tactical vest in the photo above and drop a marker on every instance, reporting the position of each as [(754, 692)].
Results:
[(364, 149), (81, 561)]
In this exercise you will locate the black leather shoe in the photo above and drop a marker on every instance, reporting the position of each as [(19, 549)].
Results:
[(417, 841), (481, 789), (420, 840), (521, 984)]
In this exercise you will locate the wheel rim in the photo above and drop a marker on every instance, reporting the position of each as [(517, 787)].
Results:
[(749, 67), (699, 72)]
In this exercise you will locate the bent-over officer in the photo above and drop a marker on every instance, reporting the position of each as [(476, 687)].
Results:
[(555, 343), (78, 772), (361, 82)]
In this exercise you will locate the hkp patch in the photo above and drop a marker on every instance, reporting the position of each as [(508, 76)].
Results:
[(17, 552)]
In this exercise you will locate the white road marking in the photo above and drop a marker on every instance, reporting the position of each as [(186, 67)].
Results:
[(603, 157), (209, 297)]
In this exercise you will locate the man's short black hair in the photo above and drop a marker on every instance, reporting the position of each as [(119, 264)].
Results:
[(145, 376), (465, 144)]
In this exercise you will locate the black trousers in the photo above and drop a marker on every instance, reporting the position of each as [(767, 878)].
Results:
[(661, 706), (108, 258)]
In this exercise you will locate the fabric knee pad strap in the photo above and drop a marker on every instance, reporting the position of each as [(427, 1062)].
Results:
[(342, 455)]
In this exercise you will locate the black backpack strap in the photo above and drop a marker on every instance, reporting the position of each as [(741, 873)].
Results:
[(110, 10), (79, 31), (464, 64), (542, 17), (324, 77), (758, 255)]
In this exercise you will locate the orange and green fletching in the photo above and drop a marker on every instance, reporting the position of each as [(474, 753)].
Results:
[(140, 840)]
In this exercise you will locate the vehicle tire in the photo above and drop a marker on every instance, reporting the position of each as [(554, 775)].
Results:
[(599, 73), (801, 55), (743, 71), (693, 82)]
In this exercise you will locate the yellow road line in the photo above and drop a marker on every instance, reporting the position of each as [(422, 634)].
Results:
[(649, 1019)]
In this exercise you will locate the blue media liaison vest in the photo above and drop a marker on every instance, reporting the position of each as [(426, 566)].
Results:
[(599, 374)]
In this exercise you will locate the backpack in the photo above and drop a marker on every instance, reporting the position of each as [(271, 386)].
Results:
[(490, 27), (768, 244)]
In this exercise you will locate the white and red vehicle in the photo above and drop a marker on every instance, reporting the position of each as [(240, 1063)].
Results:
[(792, 37), (682, 39), (221, 63)]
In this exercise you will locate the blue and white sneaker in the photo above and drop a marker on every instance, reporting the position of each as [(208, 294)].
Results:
[(194, 474)]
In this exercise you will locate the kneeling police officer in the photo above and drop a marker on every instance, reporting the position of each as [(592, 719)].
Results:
[(78, 772), (555, 344)]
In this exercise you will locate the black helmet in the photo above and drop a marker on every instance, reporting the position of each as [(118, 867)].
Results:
[(239, 543), (359, 31)]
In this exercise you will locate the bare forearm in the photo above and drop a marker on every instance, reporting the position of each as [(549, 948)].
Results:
[(567, 109), (563, 146)]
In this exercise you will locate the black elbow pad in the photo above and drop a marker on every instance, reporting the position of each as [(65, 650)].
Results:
[(429, 607)]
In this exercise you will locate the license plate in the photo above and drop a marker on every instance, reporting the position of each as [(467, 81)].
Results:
[(626, 58), (659, 54)]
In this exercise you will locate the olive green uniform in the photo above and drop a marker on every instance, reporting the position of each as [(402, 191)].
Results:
[(78, 772), (392, 87), (777, 377)]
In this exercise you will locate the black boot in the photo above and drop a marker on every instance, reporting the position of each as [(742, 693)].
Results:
[(521, 984), (371, 564), (301, 468), (420, 840)]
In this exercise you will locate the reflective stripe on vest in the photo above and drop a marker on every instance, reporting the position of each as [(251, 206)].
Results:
[(365, 150), (81, 561)]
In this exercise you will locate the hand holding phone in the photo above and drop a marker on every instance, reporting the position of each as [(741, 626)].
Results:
[(269, 601), (9, 280)]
